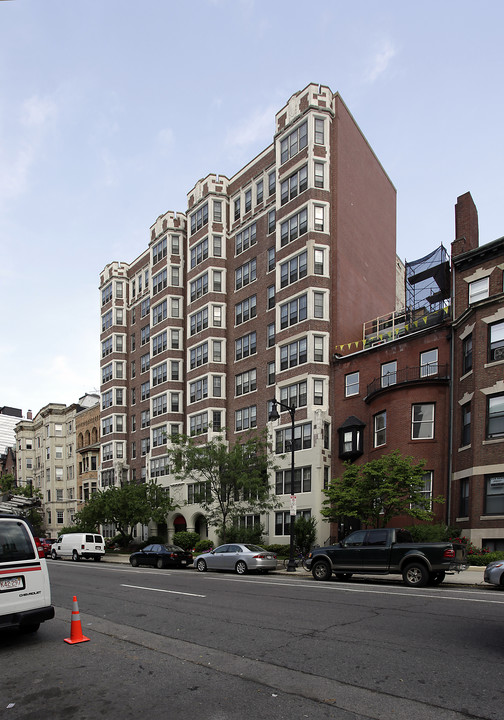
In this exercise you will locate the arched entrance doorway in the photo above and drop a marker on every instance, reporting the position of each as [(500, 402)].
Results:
[(179, 524)]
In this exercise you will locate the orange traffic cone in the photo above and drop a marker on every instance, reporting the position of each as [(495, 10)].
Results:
[(76, 635)]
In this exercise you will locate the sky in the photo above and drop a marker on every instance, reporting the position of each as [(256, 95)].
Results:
[(112, 110)]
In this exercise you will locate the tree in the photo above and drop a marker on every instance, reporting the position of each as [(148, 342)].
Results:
[(305, 533), (380, 490), (125, 507), (232, 481)]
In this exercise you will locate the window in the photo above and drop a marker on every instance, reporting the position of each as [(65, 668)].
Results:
[(217, 245), (145, 390), (198, 424), (248, 200), (145, 419), (198, 390), (245, 346), (466, 425), (159, 374), (199, 218), (175, 276), (245, 239), (160, 312), (294, 185), (107, 294), (293, 354), (478, 290), (107, 373), (245, 274), (294, 227), (350, 439), (422, 421), (319, 175), (175, 244), (494, 495), (145, 363), (271, 259), (199, 287), (283, 520), (302, 481), (319, 131), (160, 281), (270, 302), (144, 335), (271, 221), (159, 343), (217, 210), (145, 446), (495, 417), (259, 192), (351, 384), (380, 429), (294, 395), (174, 370), (318, 305), (159, 406), (318, 392), (217, 280), (426, 491), (199, 321), (467, 354), (294, 142), (237, 208), (294, 269), (159, 436), (496, 342), (318, 261), (159, 467), (302, 438), (464, 498), (144, 308), (107, 320), (159, 250), (389, 373), (246, 418), (199, 252), (294, 311), (271, 183), (319, 218), (271, 373), (318, 348), (429, 363), (246, 310), (107, 347), (199, 355), (245, 382)]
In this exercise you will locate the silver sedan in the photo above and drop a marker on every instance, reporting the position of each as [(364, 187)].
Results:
[(494, 573), (237, 557)]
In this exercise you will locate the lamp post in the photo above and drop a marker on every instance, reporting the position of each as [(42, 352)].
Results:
[(274, 415)]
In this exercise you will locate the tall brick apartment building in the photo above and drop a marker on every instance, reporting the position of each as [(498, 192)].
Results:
[(242, 299)]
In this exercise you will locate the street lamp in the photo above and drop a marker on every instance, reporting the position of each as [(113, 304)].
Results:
[(274, 415)]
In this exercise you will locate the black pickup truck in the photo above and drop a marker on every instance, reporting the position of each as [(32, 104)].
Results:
[(388, 551)]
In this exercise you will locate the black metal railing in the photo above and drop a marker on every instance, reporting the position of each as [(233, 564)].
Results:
[(424, 373)]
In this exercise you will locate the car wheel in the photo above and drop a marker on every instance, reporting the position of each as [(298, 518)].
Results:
[(321, 571), (436, 578), (160, 564), (201, 566), (97, 558), (134, 561), (53, 555), (415, 575), (241, 567), (75, 556)]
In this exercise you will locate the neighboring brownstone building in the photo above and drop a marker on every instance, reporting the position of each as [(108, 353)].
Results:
[(87, 430)]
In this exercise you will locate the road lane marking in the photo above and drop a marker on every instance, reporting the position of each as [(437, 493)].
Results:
[(172, 592)]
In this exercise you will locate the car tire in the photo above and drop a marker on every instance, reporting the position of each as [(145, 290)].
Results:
[(134, 562), (321, 570), (75, 556), (201, 566), (97, 558), (53, 555), (436, 578), (160, 564), (241, 567), (415, 575)]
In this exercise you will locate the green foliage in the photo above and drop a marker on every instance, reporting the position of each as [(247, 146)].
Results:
[(186, 540), (8, 486), (438, 532), (203, 546), (240, 534), (482, 559), (280, 550), (234, 479), (378, 491), (125, 507), (305, 533)]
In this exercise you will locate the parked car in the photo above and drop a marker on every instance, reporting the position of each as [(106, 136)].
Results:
[(79, 545), (25, 592), (47, 545), (162, 556), (494, 573), (240, 557)]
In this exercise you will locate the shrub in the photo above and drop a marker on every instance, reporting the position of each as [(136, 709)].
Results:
[(186, 540), (482, 559), (239, 534), (280, 550), (203, 546), (433, 533)]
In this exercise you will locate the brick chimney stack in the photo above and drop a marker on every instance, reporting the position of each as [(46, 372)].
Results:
[(466, 225), (29, 415)]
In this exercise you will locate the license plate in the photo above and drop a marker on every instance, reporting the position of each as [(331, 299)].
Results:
[(183, 562), (11, 583)]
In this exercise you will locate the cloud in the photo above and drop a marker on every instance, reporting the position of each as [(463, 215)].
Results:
[(381, 61), (257, 128)]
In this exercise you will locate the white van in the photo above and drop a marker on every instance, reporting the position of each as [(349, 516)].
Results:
[(25, 593), (79, 545)]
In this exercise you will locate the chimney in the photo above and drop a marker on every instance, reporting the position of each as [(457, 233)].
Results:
[(466, 225), (29, 415)]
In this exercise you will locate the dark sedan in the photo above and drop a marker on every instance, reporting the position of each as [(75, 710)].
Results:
[(162, 556)]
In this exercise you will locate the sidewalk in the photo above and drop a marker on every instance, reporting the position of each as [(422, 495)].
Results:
[(471, 577)]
